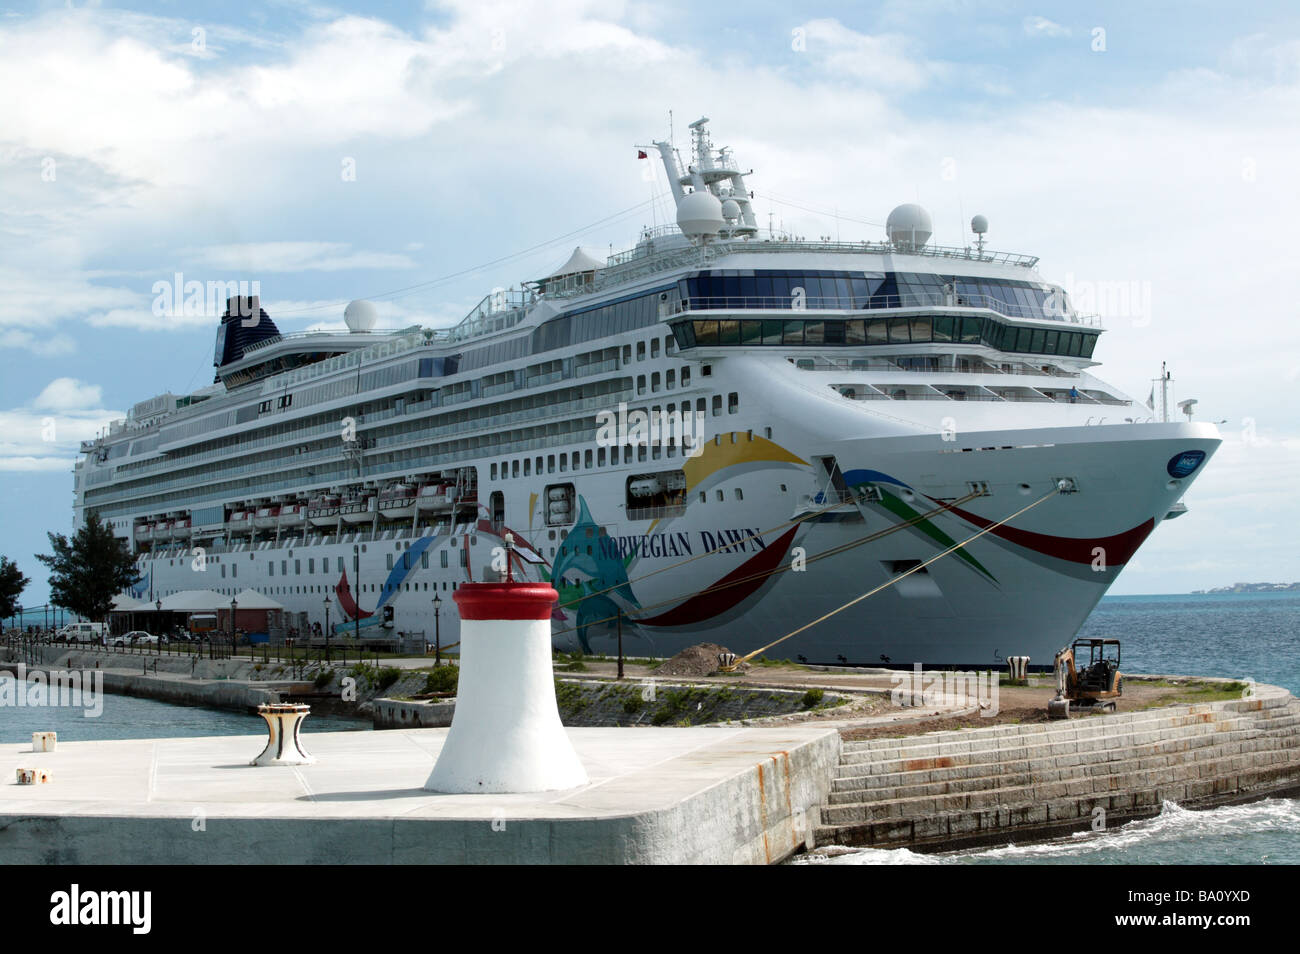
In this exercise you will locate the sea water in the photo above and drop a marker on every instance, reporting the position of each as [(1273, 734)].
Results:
[(129, 717), (1242, 636)]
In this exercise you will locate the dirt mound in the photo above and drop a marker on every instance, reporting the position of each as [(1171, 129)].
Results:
[(695, 661)]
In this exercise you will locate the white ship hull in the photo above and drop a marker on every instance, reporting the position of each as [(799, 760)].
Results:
[(1026, 589)]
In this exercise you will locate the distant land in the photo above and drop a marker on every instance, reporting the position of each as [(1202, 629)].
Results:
[(1252, 588)]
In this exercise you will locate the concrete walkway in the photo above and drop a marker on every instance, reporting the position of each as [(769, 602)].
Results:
[(670, 795)]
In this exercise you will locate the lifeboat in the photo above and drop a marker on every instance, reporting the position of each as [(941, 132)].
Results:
[(323, 511), (238, 522), (266, 518), (144, 531), (397, 501), (162, 530), (181, 527), (358, 509), (436, 497), (293, 516)]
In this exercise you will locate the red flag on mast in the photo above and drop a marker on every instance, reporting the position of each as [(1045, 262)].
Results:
[(640, 154)]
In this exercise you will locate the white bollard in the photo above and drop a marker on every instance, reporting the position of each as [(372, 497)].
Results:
[(44, 741), (506, 734), (283, 720), (1018, 668), (33, 776)]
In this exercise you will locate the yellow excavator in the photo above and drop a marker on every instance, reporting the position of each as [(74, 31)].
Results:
[(1092, 688)]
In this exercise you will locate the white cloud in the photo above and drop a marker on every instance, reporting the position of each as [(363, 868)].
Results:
[(881, 60), (260, 257), (1041, 26), (68, 394), (47, 433)]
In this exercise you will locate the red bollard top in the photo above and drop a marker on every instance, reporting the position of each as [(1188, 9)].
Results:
[(505, 600)]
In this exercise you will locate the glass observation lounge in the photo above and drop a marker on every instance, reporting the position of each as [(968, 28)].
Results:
[(851, 291), (855, 332)]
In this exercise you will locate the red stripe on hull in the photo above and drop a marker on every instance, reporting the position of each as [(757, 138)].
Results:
[(720, 597)]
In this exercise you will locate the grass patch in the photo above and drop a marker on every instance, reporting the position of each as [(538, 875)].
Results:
[(442, 679)]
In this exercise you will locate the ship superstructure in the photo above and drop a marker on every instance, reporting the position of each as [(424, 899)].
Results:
[(718, 434)]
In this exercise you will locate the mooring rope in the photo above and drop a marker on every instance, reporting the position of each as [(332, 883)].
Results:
[(892, 580)]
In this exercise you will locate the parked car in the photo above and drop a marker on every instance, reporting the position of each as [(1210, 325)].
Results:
[(136, 637)]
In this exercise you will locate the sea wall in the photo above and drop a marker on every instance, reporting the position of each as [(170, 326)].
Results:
[(632, 703), (235, 684), (992, 785)]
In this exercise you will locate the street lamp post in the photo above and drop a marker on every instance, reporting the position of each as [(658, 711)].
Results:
[(327, 630), (234, 605), (356, 601), (437, 631), (157, 626)]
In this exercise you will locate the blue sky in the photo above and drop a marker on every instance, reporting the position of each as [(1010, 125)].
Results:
[(1149, 147)]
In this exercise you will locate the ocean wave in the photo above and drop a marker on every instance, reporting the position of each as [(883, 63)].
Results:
[(1174, 835)]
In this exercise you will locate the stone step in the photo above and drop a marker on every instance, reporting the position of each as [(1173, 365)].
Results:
[(1152, 755), (1164, 758), (927, 757), (1129, 779), (1082, 727), (1009, 818), (967, 764)]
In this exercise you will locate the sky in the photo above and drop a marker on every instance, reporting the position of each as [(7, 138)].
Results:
[(420, 155)]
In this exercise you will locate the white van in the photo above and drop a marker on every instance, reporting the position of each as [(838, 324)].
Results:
[(82, 632)]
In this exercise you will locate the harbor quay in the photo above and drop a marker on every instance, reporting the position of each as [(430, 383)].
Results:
[(655, 796), (717, 794)]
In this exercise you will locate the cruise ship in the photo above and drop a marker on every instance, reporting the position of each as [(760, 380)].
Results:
[(721, 434)]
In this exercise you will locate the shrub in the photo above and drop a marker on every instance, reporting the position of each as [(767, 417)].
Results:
[(442, 679), (324, 678), (812, 697), (387, 676)]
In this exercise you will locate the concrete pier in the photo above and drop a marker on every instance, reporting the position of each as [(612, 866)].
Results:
[(1004, 783), (656, 795)]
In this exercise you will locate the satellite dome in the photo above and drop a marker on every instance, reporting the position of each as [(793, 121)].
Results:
[(360, 316), (700, 214), (908, 226), (731, 210), (979, 225)]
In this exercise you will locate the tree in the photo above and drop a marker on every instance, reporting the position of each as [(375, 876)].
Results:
[(12, 583), (88, 571)]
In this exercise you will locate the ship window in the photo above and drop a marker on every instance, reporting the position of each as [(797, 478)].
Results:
[(311, 565), (600, 457), (814, 332), (587, 459), (740, 495), (390, 561), (721, 496), (654, 383), (704, 497), (717, 405), (297, 567), (733, 402), (550, 463), (424, 560), (654, 347), (564, 463), (493, 473), (627, 354), (640, 384), (514, 468), (463, 557), (793, 333), (670, 378), (686, 377), (444, 559), (640, 350), (270, 569)]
